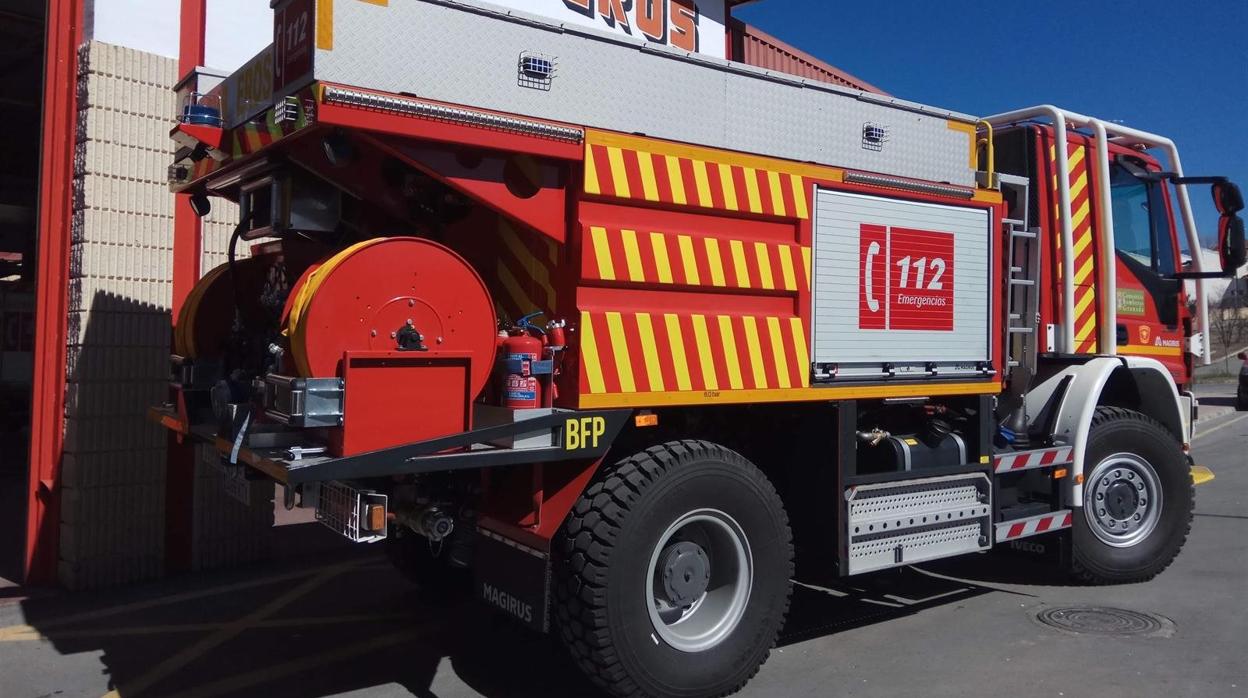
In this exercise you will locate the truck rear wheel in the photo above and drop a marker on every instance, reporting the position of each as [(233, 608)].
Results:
[(1137, 500), (674, 569)]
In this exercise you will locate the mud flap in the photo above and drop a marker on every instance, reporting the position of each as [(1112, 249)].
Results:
[(1050, 549), (513, 578)]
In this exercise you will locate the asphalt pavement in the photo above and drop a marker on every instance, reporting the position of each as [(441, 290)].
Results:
[(342, 623)]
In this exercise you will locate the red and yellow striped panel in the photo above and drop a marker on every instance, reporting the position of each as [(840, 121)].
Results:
[(524, 269), (615, 254), (1085, 245), (644, 169), (628, 352)]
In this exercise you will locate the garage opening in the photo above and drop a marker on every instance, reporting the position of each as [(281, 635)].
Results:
[(21, 95)]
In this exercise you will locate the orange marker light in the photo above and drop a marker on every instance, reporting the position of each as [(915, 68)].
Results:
[(1060, 473), (646, 419), (1079, 479)]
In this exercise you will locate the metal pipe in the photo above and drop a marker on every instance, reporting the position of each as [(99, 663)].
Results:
[(1109, 267), (1059, 117)]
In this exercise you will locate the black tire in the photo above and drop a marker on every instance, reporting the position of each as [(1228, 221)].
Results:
[(412, 555), (602, 587), (1121, 431)]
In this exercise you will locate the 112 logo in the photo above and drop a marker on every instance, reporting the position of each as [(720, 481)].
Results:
[(905, 279)]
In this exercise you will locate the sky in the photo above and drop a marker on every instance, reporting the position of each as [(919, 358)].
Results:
[(1175, 68)]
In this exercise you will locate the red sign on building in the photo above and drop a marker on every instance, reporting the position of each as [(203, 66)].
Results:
[(905, 279)]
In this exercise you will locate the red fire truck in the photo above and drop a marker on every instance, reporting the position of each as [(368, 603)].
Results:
[(623, 327)]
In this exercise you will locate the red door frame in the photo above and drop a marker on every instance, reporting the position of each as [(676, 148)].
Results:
[(63, 33), (187, 250)]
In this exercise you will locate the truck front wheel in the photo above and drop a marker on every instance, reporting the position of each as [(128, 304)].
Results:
[(673, 575), (1137, 499)]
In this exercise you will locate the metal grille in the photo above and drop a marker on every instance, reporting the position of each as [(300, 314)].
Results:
[(914, 500), (342, 508)]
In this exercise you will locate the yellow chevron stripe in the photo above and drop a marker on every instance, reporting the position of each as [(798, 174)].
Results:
[(799, 196), (1085, 299), (714, 262), (654, 372), (1080, 183), (729, 187), (705, 358), (786, 268), (1079, 216), (1073, 160), (676, 345), (730, 352), (619, 173), (1086, 330), (514, 290), (751, 190), (688, 260), (703, 181), (806, 264), (648, 181), (658, 243), (777, 195), (764, 265), (632, 255), (589, 356), (537, 271), (799, 347), (1083, 272), (738, 262), (676, 178), (779, 355), (602, 253), (756, 351), (619, 346), (1083, 239)]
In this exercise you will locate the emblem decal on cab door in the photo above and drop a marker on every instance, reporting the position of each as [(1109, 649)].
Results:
[(1146, 334)]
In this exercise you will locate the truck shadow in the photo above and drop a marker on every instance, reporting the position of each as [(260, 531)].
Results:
[(350, 623)]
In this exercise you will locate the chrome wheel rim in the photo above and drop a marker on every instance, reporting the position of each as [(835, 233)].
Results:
[(699, 580), (1122, 500)]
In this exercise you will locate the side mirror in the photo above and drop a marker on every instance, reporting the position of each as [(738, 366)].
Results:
[(1231, 243)]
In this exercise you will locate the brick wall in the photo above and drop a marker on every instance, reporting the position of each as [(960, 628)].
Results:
[(113, 470)]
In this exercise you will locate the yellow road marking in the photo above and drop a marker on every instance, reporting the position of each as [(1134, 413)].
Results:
[(1220, 427), (172, 664)]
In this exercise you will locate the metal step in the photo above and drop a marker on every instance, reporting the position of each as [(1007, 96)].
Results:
[(1014, 222), (903, 523)]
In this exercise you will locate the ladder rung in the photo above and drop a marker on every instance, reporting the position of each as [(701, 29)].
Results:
[(1022, 282), (1022, 330), (1016, 270), (1023, 234), (1014, 222), (1013, 364), (1015, 316)]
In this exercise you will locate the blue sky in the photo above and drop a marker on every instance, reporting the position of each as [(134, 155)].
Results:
[(1175, 68)]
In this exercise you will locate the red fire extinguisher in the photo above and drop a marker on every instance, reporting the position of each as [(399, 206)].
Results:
[(521, 388)]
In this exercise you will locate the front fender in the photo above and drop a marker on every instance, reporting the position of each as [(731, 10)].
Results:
[(1070, 394)]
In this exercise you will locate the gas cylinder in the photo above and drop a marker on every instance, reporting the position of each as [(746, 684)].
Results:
[(521, 388)]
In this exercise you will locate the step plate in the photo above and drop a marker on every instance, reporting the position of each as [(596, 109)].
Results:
[(903, 523)]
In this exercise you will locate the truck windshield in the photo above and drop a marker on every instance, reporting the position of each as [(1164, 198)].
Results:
[(1141, 232)]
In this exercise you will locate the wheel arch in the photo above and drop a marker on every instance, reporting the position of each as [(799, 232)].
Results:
[(1070, 394)]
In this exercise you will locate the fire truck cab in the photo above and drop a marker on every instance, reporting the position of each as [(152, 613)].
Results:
[(624, 328)]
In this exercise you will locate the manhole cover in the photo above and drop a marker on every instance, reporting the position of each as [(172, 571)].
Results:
[(1105, 621)]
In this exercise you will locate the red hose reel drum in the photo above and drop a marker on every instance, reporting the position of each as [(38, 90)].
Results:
[(363, 297)]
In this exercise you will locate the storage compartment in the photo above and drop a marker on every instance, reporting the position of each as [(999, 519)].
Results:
[(902, 289)]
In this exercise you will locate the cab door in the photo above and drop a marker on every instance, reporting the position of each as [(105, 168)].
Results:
[(1152, 308)]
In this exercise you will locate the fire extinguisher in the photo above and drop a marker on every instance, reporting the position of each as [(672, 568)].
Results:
[(521, 388)]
